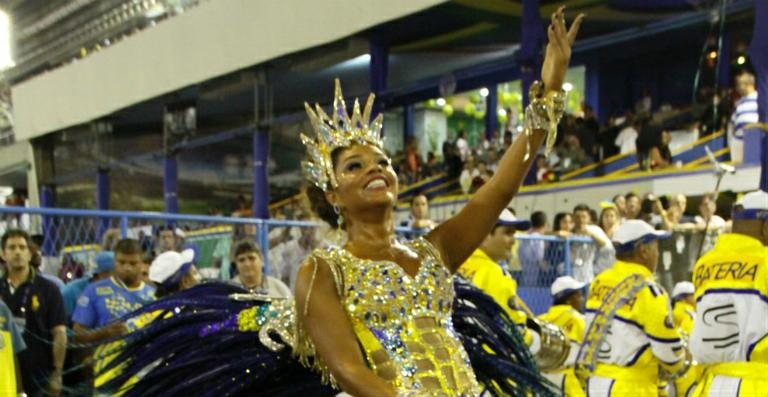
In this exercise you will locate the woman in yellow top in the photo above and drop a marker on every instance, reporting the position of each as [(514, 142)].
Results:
[(568, 299), (390, 298)]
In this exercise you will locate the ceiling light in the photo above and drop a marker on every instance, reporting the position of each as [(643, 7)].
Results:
[(6, 59)]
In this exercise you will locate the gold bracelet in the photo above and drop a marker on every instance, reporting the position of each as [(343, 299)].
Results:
[(543, 113)]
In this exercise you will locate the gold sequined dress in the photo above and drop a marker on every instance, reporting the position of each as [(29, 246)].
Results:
[(402, 323)]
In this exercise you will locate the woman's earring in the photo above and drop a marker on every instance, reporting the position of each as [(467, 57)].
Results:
[(339, 225)]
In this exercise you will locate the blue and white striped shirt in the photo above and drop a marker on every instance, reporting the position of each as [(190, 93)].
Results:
[(745, 113)]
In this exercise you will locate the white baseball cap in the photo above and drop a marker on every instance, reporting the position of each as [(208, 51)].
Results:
[(565, 285), (168, 264), (506, 218), (634, 231), (683, 288), (754, 206)]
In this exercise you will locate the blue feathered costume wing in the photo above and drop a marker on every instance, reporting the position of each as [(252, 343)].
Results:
[(215, 340)]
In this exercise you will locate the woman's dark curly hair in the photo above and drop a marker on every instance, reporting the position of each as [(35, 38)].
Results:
[(320, 204)]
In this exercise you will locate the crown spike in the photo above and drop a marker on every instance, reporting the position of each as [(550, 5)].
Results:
[(368, 108)]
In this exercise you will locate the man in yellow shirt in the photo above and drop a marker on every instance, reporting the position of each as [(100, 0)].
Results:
[(564, 313), (641, 337), (730, 331), (684, 307), (483, 270), (683, 313)]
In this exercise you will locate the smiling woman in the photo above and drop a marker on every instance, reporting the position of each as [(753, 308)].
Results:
[(355, 335)]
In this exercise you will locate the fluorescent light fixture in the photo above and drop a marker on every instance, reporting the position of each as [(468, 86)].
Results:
[(6, 59), (567, 87), (440, 102), (484, 92)]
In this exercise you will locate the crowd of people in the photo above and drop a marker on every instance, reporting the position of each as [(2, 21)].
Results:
[(538, 257), (437, 314), (584, 140)]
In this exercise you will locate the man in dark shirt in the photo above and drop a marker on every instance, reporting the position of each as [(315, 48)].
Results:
[(37, 308)]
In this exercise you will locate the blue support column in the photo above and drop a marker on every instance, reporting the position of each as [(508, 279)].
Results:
[(49, 232), (530, 46), (491, 115), (409, 113), (379, 66), (724, 61), (102, 198), (758, 53), (592, 88), (171, 184), (260, 180)]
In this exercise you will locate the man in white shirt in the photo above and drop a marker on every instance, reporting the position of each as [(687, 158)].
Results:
[(745, 112), (463, 146), (626, 139)]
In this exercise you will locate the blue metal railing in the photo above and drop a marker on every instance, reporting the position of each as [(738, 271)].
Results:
[(79, 230)]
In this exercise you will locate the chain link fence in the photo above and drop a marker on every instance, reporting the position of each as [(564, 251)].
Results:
[(68, 241)]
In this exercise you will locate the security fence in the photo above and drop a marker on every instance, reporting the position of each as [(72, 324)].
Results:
[(69, 239)]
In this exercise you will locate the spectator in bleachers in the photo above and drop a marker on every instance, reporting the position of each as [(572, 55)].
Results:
[(37, 263), (431, 168), (105, 263), (708, 223), (168, 239), (621, 205), (555, 251), (659, 155), (412, 160), (681, 201), (633, 205), (650, 208), (626, 141), (468, 175), (172, 272), (419, 219), (250, 265), (543, 172), (588, 129), (531, 252), (585, 255), (609, 220), (567, 301), (572, 155), (482, 176), (286, 258), (35, 302), (462, 146), (745, 112), (13, 344), (103, 303), (452, 160), (110, 239)]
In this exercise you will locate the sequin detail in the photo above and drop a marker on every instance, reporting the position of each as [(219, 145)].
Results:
[(403, 323)]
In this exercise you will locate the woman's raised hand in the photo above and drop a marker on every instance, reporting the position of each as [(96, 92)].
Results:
[(558, 52)]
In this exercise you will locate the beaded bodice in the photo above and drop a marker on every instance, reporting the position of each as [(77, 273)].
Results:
[(403, 323)]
